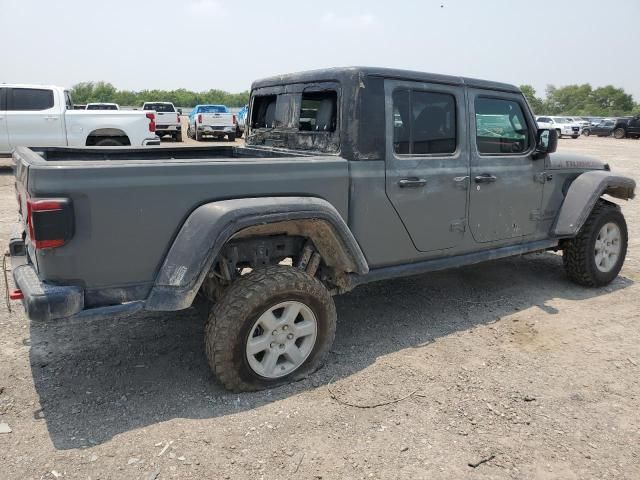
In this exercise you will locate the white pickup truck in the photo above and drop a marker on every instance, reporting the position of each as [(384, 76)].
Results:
[(561, 124), (43, 116), (167, 119), (213, 120)]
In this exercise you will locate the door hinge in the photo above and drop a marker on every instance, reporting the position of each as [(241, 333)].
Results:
[(543, 177), (459, 225), (535, 215)]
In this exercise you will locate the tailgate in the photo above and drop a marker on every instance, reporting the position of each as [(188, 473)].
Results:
[(166, 118), (217, 119), (22, 176)]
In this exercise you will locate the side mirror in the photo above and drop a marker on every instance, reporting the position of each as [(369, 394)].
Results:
[(546, 142), (179, 111)]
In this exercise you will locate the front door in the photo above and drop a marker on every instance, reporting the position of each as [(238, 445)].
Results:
[(33, 118), (506, 182), (427, 161)]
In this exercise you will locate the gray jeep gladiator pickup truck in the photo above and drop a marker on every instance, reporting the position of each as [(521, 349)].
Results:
[(348, 176)]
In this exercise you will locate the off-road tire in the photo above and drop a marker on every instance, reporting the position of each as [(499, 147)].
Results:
[(232, 137), (579, 252), (178, 137), (619, 133), (232, 318)]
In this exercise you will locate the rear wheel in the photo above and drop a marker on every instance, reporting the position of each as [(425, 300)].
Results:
[(178, 137), (197, 137), (232, 137), (595, 256), (586, 132), (619, 133), (272, 326), (109, 142), (574, 136)]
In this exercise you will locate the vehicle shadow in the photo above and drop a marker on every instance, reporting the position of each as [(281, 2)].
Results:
[(97, 379)]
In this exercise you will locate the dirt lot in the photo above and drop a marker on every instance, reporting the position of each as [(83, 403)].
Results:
[(505, 361)]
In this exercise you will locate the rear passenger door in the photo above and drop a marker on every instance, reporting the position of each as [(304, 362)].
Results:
[(427, 161), (34, 118), (506, 182), (4, 134)]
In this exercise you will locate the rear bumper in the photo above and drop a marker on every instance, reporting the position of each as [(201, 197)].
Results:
[(165, 129), (217, 130), (151, 141), (45, 302), (42, 301)]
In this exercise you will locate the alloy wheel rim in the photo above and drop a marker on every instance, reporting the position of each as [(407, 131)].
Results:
[(607, 247), (281, 339)]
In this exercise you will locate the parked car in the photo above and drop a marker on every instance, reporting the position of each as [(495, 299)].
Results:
[(43, 116), (212, 120), (581, 122), (350, 197), (242, 120), (102, 106), (627, 127), (167, 119), (560, 125), (603, 129)]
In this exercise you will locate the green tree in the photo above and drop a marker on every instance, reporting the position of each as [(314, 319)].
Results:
[(87, 92), (535, 103)]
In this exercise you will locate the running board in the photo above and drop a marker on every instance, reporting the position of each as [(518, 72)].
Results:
[(434, 265)]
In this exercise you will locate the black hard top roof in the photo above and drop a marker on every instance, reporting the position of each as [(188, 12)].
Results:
[(349, 73)]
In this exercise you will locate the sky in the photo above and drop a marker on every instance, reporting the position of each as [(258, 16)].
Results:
[(219, 44)]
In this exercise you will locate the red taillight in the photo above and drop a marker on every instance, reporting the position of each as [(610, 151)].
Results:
[(50, 222), (16, 294), (152, 122), (199, 118), (235, 121)]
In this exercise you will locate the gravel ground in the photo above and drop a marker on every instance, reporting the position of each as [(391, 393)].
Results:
[(506, 362)]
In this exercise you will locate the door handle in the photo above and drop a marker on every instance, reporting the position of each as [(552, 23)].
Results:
[(486, 178), (51, 118), (412, 182)]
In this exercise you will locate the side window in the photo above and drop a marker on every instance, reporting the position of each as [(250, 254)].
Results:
[(29, 99), (264, 111), (318, 111), (424, 122), (501, 127), (3, 99)]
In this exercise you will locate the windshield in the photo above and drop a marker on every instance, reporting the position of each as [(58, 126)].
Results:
[(213, 109), (160, 107)]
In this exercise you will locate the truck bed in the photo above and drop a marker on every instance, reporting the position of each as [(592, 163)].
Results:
[(129, 204)]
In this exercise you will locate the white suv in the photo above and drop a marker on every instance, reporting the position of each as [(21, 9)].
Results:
[(561, 124)]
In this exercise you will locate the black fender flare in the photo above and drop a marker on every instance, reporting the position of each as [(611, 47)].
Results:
[(210, 226), (582, 195)]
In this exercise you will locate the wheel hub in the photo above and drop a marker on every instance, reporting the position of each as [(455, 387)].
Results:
[(607, 247), (281, 339)]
